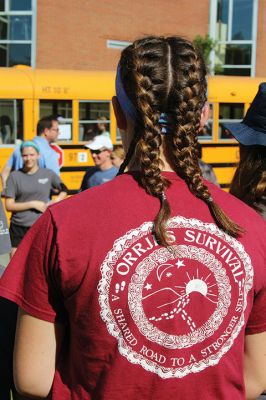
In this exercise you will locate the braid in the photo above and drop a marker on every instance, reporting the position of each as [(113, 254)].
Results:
[(147, 96), (166, 75), (189, 95)]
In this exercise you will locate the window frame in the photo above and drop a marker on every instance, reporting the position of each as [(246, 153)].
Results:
[(80, 122), (252, 42), (32, 42), (64, 120)]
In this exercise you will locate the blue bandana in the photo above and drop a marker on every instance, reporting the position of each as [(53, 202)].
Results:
[(29, 143), (125, 103), (130, 110)]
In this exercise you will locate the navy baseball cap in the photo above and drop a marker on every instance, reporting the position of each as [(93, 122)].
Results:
[(252, 130)]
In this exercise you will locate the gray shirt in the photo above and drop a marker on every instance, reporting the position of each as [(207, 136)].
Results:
[(27, 187)]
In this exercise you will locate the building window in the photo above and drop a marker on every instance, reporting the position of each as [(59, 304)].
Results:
[(17, 32), (233, 24)]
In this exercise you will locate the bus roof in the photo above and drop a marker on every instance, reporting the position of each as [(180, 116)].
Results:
[(28, 83), (22, 82)]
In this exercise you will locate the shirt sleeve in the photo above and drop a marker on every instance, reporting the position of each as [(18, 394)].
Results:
[(14, 159), (10, 161), (51, 162), (11, 187), (257, 319), (56, 181), (32, 277), (85, 181)]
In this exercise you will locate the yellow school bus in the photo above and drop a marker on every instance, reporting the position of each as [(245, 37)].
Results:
[(83, 100)]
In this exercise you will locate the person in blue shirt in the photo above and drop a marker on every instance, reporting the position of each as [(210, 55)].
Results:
[(47, 132), (101, 148)]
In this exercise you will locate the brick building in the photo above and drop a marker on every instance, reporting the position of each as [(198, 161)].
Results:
[(88, 35)]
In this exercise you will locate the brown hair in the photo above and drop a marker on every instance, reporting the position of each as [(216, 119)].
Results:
[(45, 123), (249, 181), (119, 152), (167, 75)]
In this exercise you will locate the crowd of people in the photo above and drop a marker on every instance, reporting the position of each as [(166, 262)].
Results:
[(152, 283)]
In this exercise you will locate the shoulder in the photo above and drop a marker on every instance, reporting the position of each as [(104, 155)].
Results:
[(16, 153), (91, 171), (17, 174), (114, 170), (238, 211), (46, 172), (43, 144), (39, 141), (95, 197)]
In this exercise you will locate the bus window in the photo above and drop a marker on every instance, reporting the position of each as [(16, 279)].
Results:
[(94, 119), (63, 110), (11, 121), (229, 112), (206, 132)]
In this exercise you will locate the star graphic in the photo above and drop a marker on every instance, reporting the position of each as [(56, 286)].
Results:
[(169, 274), (180, 264), (148, 286)]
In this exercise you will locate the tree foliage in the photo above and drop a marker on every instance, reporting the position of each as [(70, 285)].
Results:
[(205, 44)]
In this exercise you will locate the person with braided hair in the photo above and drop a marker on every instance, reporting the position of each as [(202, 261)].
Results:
[(152, 286)]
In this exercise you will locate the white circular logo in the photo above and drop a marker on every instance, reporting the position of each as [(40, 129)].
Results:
[(175, 311)]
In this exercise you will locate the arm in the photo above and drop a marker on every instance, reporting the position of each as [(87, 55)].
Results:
[(36, 345), (85, 180), (61, 196), (255, 365), (5, 174), (14, 162), (13, 206), (60, 188)]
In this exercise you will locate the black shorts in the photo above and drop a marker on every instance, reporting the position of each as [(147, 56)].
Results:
[(17, 233)]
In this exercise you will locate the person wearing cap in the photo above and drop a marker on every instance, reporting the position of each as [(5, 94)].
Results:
[(27, 192), (101, 148), (47, 133), (249, 181)]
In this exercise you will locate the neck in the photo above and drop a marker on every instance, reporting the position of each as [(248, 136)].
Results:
[(32, 170), (165, 165), (106, 165), (42, 135), (133, 165)]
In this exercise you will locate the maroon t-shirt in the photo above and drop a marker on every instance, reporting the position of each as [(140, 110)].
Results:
[(143, 321)]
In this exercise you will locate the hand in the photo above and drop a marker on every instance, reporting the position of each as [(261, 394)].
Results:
[(50, 203), (39, 205)]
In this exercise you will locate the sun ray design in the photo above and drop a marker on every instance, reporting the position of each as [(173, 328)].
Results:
[(182, 296)]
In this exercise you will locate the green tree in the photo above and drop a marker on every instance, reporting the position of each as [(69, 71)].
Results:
[(205, 44)]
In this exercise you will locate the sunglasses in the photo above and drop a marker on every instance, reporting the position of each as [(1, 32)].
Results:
[(97, 151)]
